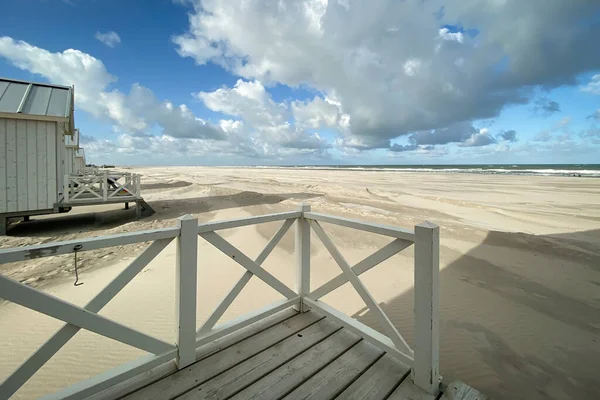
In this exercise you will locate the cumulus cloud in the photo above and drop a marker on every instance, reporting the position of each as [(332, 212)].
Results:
[(352, 50), (110, 38), (481, 138), (593, 86), (132, 112), (595, 115)]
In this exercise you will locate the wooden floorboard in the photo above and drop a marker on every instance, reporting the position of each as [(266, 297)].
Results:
[(378, 381), (244, 374), (334, 378), (293, 373), (209, 367), (409, 391), (459, 391)]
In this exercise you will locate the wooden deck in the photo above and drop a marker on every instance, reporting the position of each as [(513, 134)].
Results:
[(288, 356)]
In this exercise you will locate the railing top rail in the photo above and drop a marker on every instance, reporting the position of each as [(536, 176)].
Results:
[(66, 247), (238, 222), (387, 230)]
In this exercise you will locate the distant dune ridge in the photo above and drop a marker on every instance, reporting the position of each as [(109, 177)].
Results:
[(520, 259)]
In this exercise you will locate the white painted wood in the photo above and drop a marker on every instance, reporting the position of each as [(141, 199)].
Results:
[(43, 167), (66, 189), (65, 311), (54, 171), (66, 247), (241, 283), (96, 384), (64, 334), (425, 372), (32, 168), (236, 223), (242, 259), (185, 290), (385, 322), (302, 250), (22, 185), (408, 390), (105, 186), (363, 226), (3, 162), (11, 165), (369, 334), (245, 320), (390, 249)]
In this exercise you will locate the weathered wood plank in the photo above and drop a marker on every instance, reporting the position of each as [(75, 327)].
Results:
[(409, 391), (244, 320), (248, 372), (457, 390), (290, 375), (332, 380), (216, 363), (363, 226), (144, 378), (378, 381), (368, 333)]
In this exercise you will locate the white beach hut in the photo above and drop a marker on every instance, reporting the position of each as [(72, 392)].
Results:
[(71, 146), (79, 160), (34, 117)]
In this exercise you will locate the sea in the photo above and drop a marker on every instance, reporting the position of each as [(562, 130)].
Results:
[(576, 170)]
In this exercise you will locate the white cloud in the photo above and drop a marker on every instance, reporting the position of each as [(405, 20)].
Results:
[(133, 112), (110, 38), (593, 86), (445, 34), (393, 67)]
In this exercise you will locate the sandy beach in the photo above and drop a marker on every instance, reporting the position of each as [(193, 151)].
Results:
[(520, 269)]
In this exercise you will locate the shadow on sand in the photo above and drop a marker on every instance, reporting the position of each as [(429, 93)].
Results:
[(467, 320), (165, 209)]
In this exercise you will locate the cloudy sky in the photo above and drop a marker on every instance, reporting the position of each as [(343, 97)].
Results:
[(263, 82)]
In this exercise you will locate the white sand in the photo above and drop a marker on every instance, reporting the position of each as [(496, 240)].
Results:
[(520, 280)]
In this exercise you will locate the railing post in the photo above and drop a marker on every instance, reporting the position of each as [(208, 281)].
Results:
[(105, 186), (425, 372), (302, 250), (66, 189), (185, 291)]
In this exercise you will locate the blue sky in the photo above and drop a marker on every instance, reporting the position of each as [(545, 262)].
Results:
[(190, 82)]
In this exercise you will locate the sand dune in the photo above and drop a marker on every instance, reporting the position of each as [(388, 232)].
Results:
[(520, 259)]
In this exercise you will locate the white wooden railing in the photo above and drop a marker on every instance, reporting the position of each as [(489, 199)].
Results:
[(423, 359), (95, 187)]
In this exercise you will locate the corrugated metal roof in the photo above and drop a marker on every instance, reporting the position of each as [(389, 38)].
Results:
[(34, 98)]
